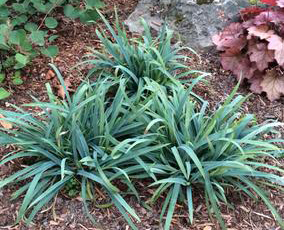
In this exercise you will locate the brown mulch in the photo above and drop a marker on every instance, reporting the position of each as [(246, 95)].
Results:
[(66, 213)]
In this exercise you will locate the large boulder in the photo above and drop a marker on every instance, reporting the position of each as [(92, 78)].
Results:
[(196, 21)]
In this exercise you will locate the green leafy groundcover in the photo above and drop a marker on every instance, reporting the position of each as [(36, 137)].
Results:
[(26, 27), (27, 30)]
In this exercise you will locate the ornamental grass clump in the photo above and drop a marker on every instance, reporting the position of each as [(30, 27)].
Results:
[(92, 138), (137, 58), (209, 151)]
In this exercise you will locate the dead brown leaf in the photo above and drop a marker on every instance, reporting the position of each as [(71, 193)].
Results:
[(49, 75), (60, 91), (5, 124)]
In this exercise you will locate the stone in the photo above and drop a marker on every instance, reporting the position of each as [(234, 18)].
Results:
[(196, 21), (143, 10)]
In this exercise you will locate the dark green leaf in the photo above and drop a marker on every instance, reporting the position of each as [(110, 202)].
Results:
[(71, 12), (50, 51), (52, 38), (37, 37), (51, 23), (30, 26), (4, 93)]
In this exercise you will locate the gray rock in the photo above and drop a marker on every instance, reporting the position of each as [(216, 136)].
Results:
[(143, 10), (196, 21)]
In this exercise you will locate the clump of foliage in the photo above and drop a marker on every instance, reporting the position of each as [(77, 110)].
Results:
[(100, 136), (253, 48), (209, 151), (106, 135), (91, 138), (26, 27), (137, 58)]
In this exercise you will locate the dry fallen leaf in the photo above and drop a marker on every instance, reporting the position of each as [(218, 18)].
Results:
[(49, 75), (60, 91), (5, 124)]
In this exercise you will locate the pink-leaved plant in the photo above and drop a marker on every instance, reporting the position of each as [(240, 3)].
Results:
[(253, 49)]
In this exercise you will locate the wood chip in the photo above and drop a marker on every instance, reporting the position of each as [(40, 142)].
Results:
[(207, 228), (53, 223)]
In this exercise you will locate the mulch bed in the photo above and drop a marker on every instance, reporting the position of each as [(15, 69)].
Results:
[(66, 213)]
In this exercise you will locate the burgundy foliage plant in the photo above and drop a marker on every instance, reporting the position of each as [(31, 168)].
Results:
[(253, 49)]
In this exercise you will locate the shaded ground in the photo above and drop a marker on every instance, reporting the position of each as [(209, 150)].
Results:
[(66, 213)]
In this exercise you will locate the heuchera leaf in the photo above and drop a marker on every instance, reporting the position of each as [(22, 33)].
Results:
[(239, 64), (260, 55), (254, 48), (276, 43), (231, 37), (275, 16), (262, 31), (273, 84), (255, 82)]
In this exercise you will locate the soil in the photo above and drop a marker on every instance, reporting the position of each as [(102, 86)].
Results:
[(67, 213)]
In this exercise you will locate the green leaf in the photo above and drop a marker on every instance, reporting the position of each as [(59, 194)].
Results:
[(17, 81), (2, 77), (71, 12), (94, 3), (27, 46), (19, 7), (2, 2), (4, 29), (29, 196), (3, 44), (41, 7), (4, 12), (37, 37), (52, 38), (22, 59), (51, 22), (172, 205), (19, 20), (9, 62), (189, 203), (50, 51), (30, 26), (4, 93), (17, 36), (89, 16)]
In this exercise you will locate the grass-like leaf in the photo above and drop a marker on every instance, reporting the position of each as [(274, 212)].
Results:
[(93, 137), (209, 150), (137, 58)]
